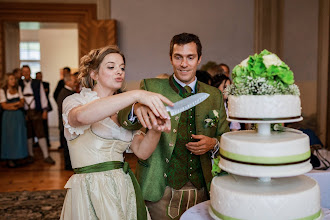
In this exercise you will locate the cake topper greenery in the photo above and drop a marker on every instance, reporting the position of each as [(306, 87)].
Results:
[(262, 74)]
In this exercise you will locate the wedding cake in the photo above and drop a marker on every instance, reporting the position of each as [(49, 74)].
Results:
[(264, 166)]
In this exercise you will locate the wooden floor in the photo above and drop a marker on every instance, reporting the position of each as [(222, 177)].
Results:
[(40, 175)]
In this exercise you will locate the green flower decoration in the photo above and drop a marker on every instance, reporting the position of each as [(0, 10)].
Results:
[(262, 74), (216, 170)]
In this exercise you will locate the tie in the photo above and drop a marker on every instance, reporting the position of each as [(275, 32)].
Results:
[(188, 89)]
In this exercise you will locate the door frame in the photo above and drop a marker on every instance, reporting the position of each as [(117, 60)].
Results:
[(82, 14)]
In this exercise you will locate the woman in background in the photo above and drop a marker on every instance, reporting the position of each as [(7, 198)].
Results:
[(13, 127), (221, 81)]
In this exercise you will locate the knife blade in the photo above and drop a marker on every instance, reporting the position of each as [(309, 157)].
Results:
[(187, 103)]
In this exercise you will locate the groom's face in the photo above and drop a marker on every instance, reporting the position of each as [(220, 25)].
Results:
[(185, 60)]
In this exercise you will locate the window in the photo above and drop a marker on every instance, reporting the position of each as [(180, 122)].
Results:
[(30, 55)]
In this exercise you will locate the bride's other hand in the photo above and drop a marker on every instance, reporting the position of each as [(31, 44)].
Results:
[(163, 125), (155, 102)]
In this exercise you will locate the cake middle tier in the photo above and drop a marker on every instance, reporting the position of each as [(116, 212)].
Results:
[(280, 154)]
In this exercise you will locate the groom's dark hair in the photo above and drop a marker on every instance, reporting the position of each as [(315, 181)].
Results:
[(186, 38)]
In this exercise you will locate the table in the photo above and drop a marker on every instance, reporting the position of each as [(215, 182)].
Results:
[(200, 212)]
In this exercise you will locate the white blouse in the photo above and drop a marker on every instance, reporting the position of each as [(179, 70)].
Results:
[(105, 128), (18, 94)]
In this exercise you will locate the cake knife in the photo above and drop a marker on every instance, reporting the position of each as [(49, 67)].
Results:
[(187, 103)]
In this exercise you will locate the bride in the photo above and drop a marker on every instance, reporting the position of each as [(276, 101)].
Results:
[(103, 186)]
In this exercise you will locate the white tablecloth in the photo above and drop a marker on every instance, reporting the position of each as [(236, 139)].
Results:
[(200, 212)]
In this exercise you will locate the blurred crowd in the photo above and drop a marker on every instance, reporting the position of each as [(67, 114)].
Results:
[(24, 115)]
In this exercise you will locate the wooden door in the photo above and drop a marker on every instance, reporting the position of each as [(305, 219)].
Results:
[(93, 33)]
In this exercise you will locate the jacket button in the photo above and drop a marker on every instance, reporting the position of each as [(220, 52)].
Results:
[(167, 160), (125, 123), (176, 118), (165, 175), (171, 144), (174, 130)]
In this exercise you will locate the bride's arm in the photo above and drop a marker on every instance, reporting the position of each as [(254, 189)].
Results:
[(144, 146), (104, 107)]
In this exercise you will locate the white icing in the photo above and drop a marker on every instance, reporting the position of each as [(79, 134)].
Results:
[(278, 144), (248, 198), (265, 171), (264, 106)]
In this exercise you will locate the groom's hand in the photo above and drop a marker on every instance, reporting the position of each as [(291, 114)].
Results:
[(203, 145)]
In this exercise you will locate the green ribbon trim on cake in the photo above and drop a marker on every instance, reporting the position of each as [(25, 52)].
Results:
[(221, 216), (265, 160), (112, 165), (224, 217)]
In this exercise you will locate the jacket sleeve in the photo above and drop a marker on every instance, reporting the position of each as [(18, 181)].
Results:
[(124, 114)]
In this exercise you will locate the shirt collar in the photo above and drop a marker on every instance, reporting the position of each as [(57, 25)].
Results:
[(192, 85), (68, 87)]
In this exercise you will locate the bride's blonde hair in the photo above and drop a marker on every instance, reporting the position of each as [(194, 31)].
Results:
[(91, 62)]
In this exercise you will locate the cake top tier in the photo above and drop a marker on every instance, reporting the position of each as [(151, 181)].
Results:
[(262, 74)]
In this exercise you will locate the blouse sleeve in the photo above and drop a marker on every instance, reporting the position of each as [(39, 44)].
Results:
[(142, 131), (71, 102), (2, 96)]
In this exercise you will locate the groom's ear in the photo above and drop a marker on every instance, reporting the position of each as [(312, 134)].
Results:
[(199, 60)]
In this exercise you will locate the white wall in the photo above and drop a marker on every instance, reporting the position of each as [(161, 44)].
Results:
[(58, 48), (146, 27)]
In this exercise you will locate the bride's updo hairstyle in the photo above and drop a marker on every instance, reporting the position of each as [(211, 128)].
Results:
[(91, 62)]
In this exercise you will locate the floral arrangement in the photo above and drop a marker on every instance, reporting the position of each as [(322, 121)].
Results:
[(216, 170), (262, 74), (212, 119)]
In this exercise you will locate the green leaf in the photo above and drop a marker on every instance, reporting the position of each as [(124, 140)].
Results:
[(215, 167)]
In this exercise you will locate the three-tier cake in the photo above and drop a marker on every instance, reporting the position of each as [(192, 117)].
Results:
[(265, 167)]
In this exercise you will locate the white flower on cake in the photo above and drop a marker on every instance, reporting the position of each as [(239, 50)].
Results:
[(271, 59), (244, 63)]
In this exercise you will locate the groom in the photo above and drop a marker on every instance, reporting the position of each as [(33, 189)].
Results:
[(178, 174)]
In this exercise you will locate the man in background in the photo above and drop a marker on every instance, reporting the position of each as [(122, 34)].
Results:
[(36, 110), (60, 84), (49, 109), (70, 85)]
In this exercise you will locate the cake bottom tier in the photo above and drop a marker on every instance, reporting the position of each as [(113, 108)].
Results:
[(237, 197)]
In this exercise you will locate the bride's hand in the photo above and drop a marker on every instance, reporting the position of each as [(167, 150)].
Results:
[(163, 125), (155, 102)]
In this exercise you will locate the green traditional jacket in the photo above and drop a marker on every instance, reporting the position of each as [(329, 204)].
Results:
[(151, 173)]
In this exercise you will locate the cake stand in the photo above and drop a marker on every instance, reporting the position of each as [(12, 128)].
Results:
[(257, 188)]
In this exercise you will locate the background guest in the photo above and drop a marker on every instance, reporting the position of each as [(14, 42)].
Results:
[(204, 76), (226, 69), (36, 110), (50, 108), (18, 74), (221, 81), (71, 82), (60, 84), (13, 132)]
